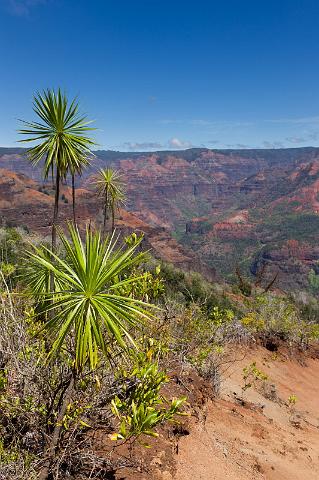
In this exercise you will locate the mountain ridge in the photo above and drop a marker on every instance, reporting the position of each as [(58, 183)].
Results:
[(229, 207)]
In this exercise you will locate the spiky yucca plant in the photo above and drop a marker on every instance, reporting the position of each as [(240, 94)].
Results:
[(110, 187), (61, 141), (85, 302), (85, 309)]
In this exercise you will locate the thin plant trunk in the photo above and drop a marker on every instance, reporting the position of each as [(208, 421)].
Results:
[(51, 450), (106, 201), (56, 209), (73, 199), (113, 217), (104, 218), (54, 222)]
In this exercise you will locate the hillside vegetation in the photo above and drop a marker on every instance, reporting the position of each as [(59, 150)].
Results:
[(122, 391)]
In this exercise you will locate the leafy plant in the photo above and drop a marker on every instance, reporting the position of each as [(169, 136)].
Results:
[(141, 407), (84, 306), (251, 375), (84, 302), (274, 317), (147, 286), (292, 400)]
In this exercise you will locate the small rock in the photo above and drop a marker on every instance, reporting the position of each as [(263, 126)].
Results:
[(156, 462)]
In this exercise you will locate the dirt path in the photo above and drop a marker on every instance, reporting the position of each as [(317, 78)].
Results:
[(235, 442)]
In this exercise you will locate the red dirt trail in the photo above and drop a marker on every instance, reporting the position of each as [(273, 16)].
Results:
[(264, 439)]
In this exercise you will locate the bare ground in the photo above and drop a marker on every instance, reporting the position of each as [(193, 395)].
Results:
[(263, 439), (250, 436)]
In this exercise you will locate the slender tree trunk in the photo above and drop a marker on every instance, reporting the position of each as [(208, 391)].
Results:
[(50, 453), (56, 209), (106, 201), (113, 217), (73, 199), (104, 218)]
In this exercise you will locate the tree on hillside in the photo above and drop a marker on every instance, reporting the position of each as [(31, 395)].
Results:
[(87, 314), (61, 141), (110, 187)]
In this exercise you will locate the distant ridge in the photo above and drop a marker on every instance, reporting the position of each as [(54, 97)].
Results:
[(191, 151), (251, 207)]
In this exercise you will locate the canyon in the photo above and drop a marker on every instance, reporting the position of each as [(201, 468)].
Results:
[(214, 211)]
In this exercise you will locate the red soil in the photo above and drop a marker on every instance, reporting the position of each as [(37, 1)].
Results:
[(236, 442), (227, 439)]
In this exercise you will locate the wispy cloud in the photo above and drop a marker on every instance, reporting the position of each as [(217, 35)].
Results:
[(177, 143), (220, 123), (180, 144), (272, 144), (296, 121), (22, 8), (305, 138), (296, 139), (140, 146), (172, 144), (239, 146), (200, 122), (170, 121)]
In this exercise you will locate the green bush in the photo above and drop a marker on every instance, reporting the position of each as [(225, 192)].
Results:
[(271, 316), (142, 407)]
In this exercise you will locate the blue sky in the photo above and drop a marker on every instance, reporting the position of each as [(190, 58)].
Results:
[(168, 74)]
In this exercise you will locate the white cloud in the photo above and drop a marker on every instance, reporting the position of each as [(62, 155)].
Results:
[(141, 146), (172, 144), (177, 143), (238, 146)]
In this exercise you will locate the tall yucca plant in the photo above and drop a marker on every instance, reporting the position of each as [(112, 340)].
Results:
[(110, 187), (84, 306), (85, 303), (61, 140)]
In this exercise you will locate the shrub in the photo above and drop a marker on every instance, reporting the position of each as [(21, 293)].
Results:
[(276, 317), (190, 288), (252, 375), (142, 407), (34, 392)]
